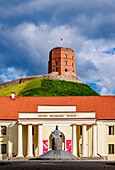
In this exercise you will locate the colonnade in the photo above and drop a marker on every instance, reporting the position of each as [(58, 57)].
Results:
[(84, 140), (29, 145), (74, 140)]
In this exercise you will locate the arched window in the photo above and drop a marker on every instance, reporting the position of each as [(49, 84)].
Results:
[(65, 55), (65, 62), (56, 63), (72, 64)]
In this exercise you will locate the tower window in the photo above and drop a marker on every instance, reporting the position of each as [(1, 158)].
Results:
[(56, 63), (65, 70), (56, 69), (72, 57), (72, 64), (111, 130), (65, 62), (65, 55)]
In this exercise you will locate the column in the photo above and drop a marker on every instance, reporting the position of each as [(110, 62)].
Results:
[(94, 153), (20, 148), (9, 142), (84, 141), (29, 147), (74, 141), (40, 148)]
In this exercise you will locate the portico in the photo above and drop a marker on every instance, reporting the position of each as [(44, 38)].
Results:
[(79, 129)]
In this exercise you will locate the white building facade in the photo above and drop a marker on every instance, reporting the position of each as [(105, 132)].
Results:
[(29, 134)]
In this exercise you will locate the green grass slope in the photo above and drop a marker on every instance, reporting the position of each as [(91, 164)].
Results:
[(45, 87), (20, 88)]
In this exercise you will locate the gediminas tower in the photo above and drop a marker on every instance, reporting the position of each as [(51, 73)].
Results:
[(62, 60)]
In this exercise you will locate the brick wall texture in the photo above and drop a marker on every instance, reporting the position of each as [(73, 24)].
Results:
[(62, 60)]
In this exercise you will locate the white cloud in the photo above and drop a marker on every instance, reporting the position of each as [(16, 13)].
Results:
[(39, 39), (12, 74), (105, 63), (104, 91)]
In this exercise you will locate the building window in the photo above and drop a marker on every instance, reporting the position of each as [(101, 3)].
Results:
[(65, 55), (32, 130), (56, 63), (3, 148), (72, 64), (3, 130), (111, 149), (80, 148), (80, 130), (111, 130), (65, 70), (65, 62), (72, 57), (33, 148), (56, 69)]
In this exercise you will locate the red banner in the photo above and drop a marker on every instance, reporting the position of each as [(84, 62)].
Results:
[(68, 146), (45, 146)]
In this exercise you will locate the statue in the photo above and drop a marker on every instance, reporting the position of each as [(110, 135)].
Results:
[(56, 139), (57, 153)]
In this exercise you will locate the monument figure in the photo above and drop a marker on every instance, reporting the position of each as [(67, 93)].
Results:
[(56, 139), (56, 152)]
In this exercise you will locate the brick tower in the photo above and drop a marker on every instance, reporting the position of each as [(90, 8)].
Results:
[(62, 60)]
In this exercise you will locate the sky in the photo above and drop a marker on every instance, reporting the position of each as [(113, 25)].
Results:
[(29, 29)]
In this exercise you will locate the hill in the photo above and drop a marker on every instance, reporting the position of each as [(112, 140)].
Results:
[(45, 87)]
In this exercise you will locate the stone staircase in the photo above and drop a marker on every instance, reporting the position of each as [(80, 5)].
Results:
[(79, 158)]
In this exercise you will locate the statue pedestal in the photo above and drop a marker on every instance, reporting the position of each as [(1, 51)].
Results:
[(57, 155)]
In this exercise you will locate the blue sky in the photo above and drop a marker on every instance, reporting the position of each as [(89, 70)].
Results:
[(29, 29)]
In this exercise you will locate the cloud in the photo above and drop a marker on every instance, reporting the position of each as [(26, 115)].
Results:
[(94, 18), (11, 74), (30, 29), (34, 41), (27, 45), (25, 7), (104, 91), (103, 63)]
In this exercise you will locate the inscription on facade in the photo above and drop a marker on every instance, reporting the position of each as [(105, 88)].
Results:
[(58, 116)]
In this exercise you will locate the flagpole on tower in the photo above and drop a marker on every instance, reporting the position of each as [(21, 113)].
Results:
[(61, 41)]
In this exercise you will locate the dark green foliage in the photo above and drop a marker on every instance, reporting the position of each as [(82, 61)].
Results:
[(60, 88)]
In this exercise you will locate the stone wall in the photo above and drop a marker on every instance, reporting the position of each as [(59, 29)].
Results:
[(52, 76)]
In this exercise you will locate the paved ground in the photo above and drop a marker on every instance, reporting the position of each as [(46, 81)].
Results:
[(56, 165)]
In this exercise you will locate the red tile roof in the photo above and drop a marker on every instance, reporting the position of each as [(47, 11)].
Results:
[(104, 106)]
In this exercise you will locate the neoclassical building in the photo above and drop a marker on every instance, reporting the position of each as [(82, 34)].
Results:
[(87, 125)]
